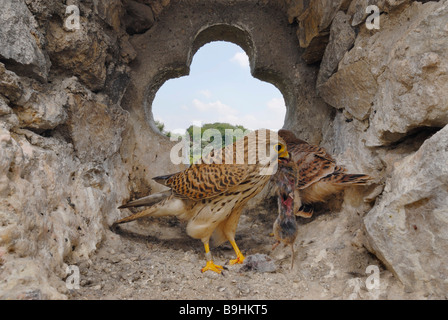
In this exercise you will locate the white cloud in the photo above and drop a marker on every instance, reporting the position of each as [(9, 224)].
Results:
[(206, 93), (271, 117), (217, 107), (242, 59), (178, 131)]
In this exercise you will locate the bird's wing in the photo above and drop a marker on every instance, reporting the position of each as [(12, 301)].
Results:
[(311, 169), (204, 181)]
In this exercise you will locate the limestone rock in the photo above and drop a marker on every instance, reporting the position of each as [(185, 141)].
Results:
[(342, 37), (258, 263), (412, 88), (90, 122), (110, 11), (54, 194), (139, 17), (317, 17), (44, 110), (82, 52), (357, 8), (128, 52), (117, 82), (10, 85), (157, 6), (294, 9), (316, 49), (407, 229), (26, 281), (21, 41), (4, 108), (396, 76), (352, 88), (44, 9)]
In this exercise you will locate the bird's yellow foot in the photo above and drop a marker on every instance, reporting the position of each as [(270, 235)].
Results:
[(239, 256), (212, 267), (239, 259)]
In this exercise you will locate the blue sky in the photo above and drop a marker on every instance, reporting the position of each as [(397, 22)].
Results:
[(219, 88)]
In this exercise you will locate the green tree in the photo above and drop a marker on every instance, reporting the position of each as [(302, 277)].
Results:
[(221, 127)]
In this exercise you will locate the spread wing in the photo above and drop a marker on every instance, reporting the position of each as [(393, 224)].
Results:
[(204, 181)]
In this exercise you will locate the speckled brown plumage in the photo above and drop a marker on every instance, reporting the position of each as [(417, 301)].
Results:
[(211, 196), (318, 174)]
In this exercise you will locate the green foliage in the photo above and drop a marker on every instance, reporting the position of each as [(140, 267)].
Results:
[(209, 133), (161, 127), (221, 127), (213, 134)]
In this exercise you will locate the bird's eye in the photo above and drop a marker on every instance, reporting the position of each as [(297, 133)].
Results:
[(278, 147)]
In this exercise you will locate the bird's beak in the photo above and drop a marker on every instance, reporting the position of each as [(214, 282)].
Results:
[(284, 155)]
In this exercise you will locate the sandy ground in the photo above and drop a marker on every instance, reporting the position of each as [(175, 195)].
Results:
[(156, 259)]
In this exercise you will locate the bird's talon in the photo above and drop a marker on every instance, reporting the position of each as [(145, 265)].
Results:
[(238, 260), (212, 267)]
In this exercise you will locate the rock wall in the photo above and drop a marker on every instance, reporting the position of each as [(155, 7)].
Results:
[(77, 136), (389, 87), (61, 171)]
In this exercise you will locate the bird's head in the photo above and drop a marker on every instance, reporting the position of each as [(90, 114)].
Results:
[(281, 150), (266, 149)]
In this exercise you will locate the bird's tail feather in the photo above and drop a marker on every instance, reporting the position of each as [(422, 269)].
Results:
[(169, 206), (341, 178), (138, 215), (148, 200)]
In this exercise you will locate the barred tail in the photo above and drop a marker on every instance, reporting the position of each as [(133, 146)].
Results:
[(147, 201), (168, 206), (341, 178), (138, 215)]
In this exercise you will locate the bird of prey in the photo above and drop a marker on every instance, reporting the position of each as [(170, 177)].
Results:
[(212, 194), (285, 226), (318, 174)]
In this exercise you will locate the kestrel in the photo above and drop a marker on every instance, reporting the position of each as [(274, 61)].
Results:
[(211, 195), (318, 174), (285, 226)]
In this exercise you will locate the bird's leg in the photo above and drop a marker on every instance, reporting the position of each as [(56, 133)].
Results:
[(292, 255), (210, 264), (239, 256)]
